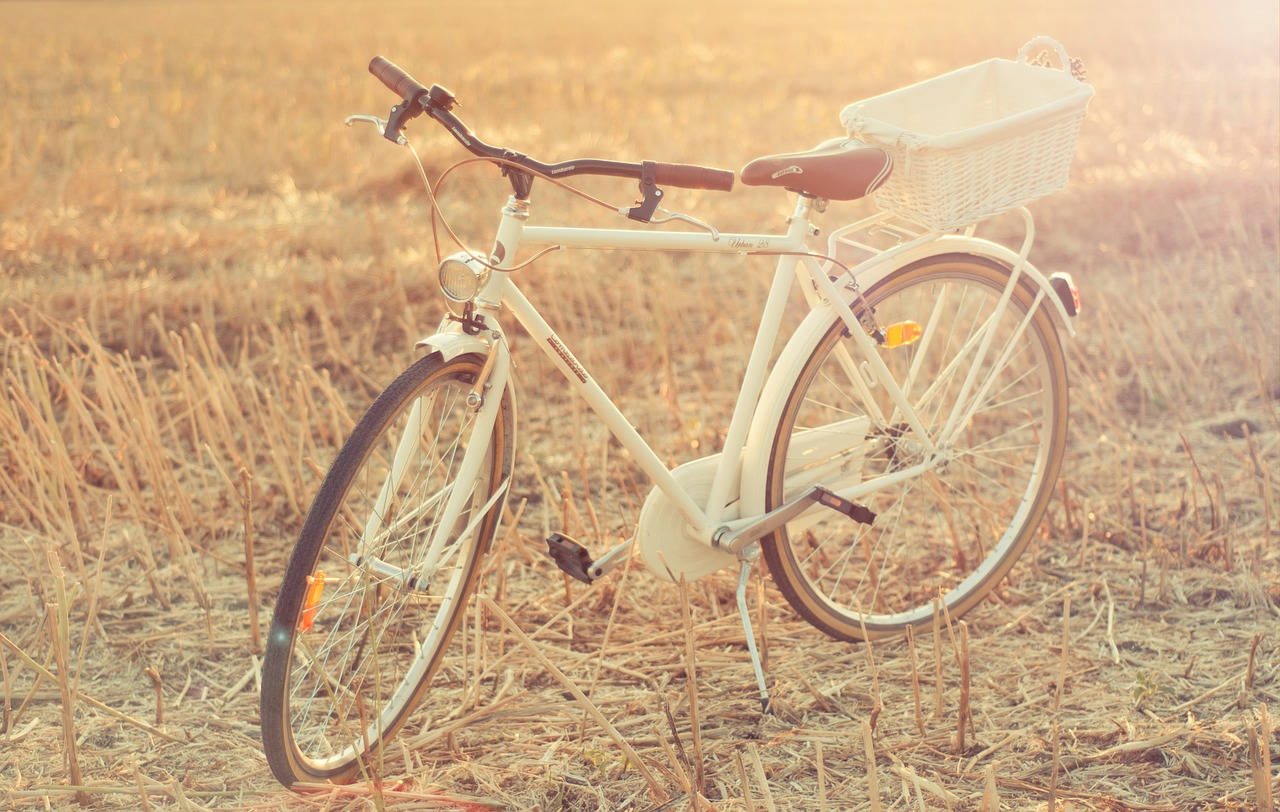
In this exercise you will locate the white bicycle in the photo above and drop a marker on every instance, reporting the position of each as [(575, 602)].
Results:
[(902, 448)]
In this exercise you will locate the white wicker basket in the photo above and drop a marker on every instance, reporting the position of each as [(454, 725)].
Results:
[(977, 141)]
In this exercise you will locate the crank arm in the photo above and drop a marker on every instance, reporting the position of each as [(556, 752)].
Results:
[(612, 559), (735, 540)]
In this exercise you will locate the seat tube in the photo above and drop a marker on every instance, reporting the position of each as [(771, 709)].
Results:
[(728, 474)]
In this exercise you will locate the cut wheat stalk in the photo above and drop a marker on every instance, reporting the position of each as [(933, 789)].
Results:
[(55, 481), (619, 585), (876, 704), (677, 765), (1111, 617), (171, 789), (655, 789), (873, 781), (915, 678), (6, 702), (909, 775), (937, 658), (761, 778), (1064, 655), (89, 700), (969, 765), (964, 716), (824, 703), (60, 638), (1055, 748), (143, 802), (671, 724), (691, 674), (158, 685), (990, 791), (1195, 466), (1146, 556), (250, 571), (1260, 760), (1129, 748), (821, 768), (1177, 710), (748, 800)]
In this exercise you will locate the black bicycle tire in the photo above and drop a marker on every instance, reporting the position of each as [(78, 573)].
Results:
[(287, 763)]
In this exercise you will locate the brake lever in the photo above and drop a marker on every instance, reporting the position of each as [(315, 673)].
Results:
[(381, 124), (672, 216)]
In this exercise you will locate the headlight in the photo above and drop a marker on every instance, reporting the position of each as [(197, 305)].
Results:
[(463, 276)]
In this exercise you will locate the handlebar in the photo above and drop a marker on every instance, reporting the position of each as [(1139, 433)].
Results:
[(438, 103), (396, 80), (689, 176)]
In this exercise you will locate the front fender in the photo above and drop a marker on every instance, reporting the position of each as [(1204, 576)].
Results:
[(452, 343)]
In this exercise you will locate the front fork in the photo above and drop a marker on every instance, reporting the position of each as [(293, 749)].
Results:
[(484, 401)]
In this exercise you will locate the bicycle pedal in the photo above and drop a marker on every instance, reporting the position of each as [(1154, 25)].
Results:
[(859, 513), (570, 556)]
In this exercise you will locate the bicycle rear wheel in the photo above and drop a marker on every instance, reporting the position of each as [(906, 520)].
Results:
[(953, 531), (348, 660)]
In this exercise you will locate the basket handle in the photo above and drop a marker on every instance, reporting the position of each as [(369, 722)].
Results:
[(1040, 45)]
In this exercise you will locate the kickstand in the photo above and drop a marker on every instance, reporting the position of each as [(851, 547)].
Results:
[(749, 556)]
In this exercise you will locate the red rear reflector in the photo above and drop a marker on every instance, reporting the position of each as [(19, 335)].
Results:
[(1067, 291)]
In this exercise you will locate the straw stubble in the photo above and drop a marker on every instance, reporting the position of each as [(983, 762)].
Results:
[(216, 292)]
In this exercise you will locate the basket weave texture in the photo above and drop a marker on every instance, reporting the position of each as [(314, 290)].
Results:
[(975, 142)]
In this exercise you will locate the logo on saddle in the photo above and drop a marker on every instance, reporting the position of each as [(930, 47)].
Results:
[(790, 170)]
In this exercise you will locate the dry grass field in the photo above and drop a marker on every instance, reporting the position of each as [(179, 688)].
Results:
[(205, 278)]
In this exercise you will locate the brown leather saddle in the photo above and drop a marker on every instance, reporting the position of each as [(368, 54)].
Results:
[(839, 169)]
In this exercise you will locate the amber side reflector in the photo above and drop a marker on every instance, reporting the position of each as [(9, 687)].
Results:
[(311, 605), (901, 334)]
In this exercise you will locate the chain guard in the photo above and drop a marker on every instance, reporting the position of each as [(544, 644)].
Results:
[(665, 545)]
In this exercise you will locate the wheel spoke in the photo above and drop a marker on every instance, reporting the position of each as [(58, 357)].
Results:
[(390, 604), (959, 524)]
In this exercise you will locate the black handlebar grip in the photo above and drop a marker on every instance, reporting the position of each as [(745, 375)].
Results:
[(399, 82), (688, 176)]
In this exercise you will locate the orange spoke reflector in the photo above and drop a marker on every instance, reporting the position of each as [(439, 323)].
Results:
[(901, 334), (311, 605)]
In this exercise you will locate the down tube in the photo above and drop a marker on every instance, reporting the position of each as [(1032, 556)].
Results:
[(600, 403)]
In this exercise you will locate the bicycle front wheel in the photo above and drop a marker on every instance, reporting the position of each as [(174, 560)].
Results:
[(951, 530), (380, 575)]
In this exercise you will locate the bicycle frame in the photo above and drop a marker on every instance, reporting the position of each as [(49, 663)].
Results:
[(750, 426), (875, 482)]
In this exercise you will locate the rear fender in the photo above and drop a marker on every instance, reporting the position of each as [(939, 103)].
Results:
[(959, 244), (759, 444)]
